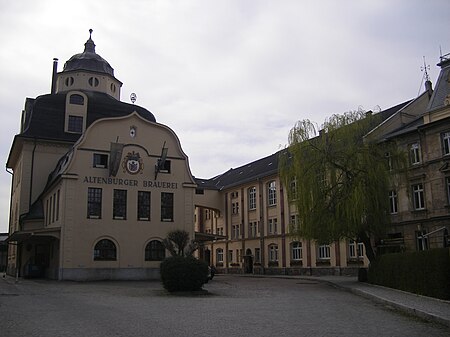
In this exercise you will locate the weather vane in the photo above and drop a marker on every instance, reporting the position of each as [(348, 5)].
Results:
[(133, 97), (425, 69)]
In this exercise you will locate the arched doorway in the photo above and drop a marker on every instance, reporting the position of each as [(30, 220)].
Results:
[(248, 261)]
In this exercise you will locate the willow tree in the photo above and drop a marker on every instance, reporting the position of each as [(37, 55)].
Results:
[(338, 182)]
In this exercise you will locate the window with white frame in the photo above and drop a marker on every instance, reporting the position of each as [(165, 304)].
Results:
[(273, 253), (293, 189), (422, 240), (296, 251), (272, 193), (418, 196), (352, 249), (252, 198), (219, 255), (253, 229), (414, 153), (393, 202), (294, 220), (230, 256), (360, 249), (324, 252), (446, 143), (235, 208), (273, 226), (235, 231)]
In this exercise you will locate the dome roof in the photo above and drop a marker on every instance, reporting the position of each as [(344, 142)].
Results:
[(88, 60)]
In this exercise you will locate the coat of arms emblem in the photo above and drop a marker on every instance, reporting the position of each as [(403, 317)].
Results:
[(133, 163)]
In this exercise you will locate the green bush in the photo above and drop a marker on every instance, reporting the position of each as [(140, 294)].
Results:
[(424, 273), (183, 273)]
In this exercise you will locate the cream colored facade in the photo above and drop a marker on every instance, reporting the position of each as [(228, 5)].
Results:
[(94, 196), (250, 232)]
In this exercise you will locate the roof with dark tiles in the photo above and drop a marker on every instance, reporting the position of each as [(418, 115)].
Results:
[(264, 167), (44, 116)]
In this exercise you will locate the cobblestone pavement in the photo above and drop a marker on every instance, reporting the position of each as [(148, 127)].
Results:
[(232, 306)]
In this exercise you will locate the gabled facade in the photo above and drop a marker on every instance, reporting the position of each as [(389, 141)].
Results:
[(97, 183), (420, 203)]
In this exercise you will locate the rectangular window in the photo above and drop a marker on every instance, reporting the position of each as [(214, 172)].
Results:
[(230, 256), (257, 255), (120, 204), (253, 229), (297, 253), (422, 240), (100, 160), (446, 143), (252, 198), (54, 208), (272, 193), (166, 206), (293, 189), (57, 206), (235, 231), (388, 157), (235, 208), (165, 168), (418, 197), (273, 226), (360, 249), (352, 249), (414, 153), (75, 124), (447, 181), (324, 252), (94, 207), (47, 212), (143, 205), (219, 255), (393, 202)]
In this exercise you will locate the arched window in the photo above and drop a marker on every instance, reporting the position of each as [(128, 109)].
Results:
[(76, 99), (155, 251), (252, 198), (105, 250), (272, 193)]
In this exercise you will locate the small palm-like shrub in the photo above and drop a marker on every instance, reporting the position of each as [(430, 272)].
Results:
[(183, 273)]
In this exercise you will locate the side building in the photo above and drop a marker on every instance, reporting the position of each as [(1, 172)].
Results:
[(247, 215), (420, 202), (96, 183)]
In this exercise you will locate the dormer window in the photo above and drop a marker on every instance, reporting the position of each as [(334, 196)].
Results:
[(75, 124), (76, 99)]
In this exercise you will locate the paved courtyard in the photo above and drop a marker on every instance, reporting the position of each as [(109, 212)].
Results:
[(233, 306)]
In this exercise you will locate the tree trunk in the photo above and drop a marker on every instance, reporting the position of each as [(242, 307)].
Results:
[(365, 238)]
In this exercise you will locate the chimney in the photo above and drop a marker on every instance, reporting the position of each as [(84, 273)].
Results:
[(55, 70), (429, 87)]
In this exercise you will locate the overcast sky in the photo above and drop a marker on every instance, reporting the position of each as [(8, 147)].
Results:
[(229, 77)]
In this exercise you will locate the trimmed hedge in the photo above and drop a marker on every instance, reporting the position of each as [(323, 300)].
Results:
[(180, 273), (425, 273)]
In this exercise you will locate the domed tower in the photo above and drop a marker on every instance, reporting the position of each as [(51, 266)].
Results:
[(88, 71)]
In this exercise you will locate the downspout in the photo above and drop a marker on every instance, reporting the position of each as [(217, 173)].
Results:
[(10, 213), (32, 173)]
